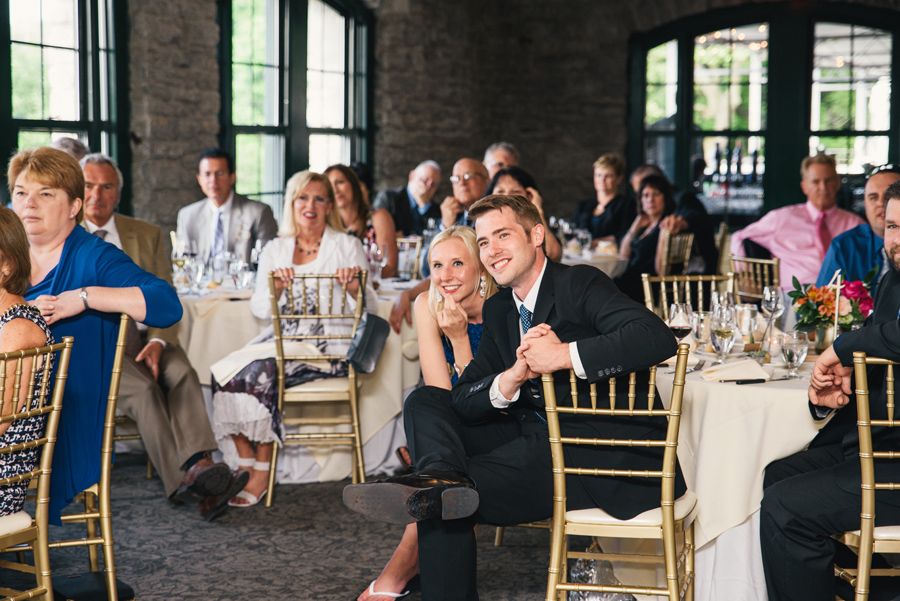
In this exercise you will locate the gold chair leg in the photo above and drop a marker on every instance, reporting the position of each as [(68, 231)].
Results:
[(90, 506), (109, 562), (498, 537), (273, 463), (689, 562), (149, 468), (359, 471)]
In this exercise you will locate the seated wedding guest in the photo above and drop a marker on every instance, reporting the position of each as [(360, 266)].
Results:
[(799, 234), (482, 446), (690, 216), (159, 389), (857, 251), (224, 221), (372, 227), (642, 243), (413, 205), (609, 214), (500, 155), (515, 181), (448, 324), (73, 146), (81, 285), (311, 240), (816, 493), (21, 327)]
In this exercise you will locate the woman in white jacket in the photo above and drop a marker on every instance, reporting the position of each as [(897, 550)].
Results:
[(311, 240)]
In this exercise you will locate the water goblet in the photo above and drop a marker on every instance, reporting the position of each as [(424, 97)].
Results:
[(680, 319), (794, 346), (700, 328), (724, 326)]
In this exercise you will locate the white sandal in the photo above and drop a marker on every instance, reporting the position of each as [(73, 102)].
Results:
[(246, 462), (250, 498), (374, 593)]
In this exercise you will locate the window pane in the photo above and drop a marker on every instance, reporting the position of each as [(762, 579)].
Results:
[(730, 75), (26, 81), (255, 86), (660, 150), (259, 165), (729, 174), (30, 138), (58, 20), (60, 84), (662, 87), (325, 99), (25, 21), (255, 90), (854, 154), (326, 150), (851, 78), (243, 15)]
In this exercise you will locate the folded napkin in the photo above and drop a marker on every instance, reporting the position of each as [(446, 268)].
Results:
[(225, 369), (748, 369)]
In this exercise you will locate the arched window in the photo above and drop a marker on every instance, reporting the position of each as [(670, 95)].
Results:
[(729, 103), (294, 91)]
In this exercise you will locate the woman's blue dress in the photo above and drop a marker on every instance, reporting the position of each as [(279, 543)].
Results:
[(87, 260), (474, 332)]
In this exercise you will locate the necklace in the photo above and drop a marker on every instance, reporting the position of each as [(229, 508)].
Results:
[(312, 250)]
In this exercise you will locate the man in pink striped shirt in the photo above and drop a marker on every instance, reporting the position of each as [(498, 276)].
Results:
[(799, 234)]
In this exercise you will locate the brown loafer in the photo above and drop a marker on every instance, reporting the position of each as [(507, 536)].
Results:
[(215, 505), (205, 478)]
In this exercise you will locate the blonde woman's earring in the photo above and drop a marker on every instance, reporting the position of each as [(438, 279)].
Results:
[(482, 288), (439, 297)]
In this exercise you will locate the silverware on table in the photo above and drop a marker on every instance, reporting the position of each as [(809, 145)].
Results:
[(699, 365)]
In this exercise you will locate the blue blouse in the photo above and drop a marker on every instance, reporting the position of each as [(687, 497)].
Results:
[(474, 332), (87, 260)]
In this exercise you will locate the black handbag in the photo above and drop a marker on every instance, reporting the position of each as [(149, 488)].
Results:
[(368, 341)]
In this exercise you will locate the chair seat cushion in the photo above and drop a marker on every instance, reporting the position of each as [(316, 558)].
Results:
[(326, 385), (652, 517), (883, 533), (14, 522)]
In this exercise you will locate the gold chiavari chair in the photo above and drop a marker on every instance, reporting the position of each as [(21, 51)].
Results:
[(672, 517), (320, 298), (676, 250), (752, 275), (97, 514), (410, 252), (130, 432), (661, 291), (33, 382), (869, 539)]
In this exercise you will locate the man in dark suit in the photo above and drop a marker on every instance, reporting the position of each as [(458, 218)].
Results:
[(816, 493), (159, 389), (224, 221), (412, 205), (483, 454)]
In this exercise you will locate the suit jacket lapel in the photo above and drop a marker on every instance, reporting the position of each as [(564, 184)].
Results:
[(129, 238), (545, 297), (512, 326)]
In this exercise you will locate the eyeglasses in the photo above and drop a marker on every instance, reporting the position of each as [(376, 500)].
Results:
[(455, 179), (889, 168)]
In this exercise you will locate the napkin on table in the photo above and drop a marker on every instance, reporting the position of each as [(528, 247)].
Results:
[(748, 369)]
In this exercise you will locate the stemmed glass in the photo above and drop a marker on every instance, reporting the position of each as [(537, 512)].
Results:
[(724, 325), (794, 346), (680, 319), (700, 326), (773, 306), (377, 261)]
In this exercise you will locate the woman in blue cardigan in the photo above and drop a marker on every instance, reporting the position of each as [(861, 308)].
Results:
[(81, 285)]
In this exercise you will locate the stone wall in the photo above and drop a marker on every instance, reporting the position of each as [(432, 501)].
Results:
[(174, 81)]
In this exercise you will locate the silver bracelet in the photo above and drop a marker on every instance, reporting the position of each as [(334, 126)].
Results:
[(83, 296)]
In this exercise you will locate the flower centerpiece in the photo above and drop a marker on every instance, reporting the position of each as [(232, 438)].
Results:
[(820, 308)]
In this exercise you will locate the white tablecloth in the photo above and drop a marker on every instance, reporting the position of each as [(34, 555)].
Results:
[(611, 265), (217, 324)]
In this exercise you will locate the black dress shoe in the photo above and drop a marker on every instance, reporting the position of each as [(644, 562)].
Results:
[(213, 506), (204, 478), (444, 494)]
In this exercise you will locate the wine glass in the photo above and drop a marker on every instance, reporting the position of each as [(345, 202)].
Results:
[(700, 324), (721, 298), (773, 301), (794, 346), (724, 325), (680, 319)]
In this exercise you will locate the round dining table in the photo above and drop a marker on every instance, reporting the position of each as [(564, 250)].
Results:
[(611, 265)]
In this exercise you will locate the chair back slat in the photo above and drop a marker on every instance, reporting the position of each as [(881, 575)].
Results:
[(676, 249), (672, 288), (752, 275)]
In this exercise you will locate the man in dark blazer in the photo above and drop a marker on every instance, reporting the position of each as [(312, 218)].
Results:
[(159, 389), (482, 454), (816, 493), (224, 221), (412, 205)]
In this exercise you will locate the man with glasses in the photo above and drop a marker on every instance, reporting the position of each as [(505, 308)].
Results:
[(859, 250), (224, 222), (800, 234), (470, 179), (500, 155), (411, 206)]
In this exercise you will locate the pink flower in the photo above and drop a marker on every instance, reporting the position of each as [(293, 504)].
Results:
[(855, 290), (845, 306), (866, 305)]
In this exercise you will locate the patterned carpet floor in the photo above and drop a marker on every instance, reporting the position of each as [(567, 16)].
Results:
[(306, 546)]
